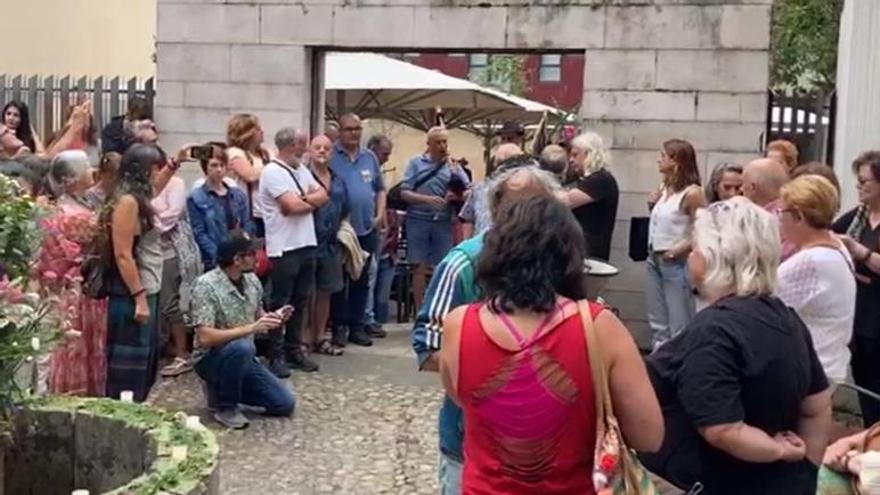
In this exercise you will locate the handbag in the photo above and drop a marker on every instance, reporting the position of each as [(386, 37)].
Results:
[(395, 195), (96, 265), (616, 469), (638, 238)]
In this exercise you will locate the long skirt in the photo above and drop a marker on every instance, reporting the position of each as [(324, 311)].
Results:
[(132, 348), (79, 365)]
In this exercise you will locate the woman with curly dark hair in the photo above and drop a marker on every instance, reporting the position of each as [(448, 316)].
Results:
[(518, 363)]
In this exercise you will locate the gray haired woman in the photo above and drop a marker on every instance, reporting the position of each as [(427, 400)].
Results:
[(747, 405), (78, 365), (724, 183)]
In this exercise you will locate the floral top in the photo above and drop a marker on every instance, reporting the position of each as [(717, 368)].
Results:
[(222, 305)]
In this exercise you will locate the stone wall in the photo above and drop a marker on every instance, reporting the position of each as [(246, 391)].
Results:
[(656, 69)]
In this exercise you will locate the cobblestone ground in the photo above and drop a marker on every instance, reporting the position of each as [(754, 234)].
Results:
[(365, 424)]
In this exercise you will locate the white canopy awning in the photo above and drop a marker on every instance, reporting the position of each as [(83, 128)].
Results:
[(376, 86)]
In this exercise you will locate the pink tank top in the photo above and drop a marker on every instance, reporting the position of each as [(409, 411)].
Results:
[(529, 415)]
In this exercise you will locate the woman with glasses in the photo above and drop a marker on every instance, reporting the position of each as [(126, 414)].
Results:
[(861, 235), (724, 183), (817, 280), (745, 401)]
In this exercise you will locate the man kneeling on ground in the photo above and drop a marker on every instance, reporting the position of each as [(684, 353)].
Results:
[(226, 315)]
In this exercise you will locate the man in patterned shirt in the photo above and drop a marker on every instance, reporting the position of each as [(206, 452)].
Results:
[(226, 315)]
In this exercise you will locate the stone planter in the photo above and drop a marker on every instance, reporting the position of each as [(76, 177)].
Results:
[(63, 443)]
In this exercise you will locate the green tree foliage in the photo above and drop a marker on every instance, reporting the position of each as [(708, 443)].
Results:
[(504, 72), (804, 45)]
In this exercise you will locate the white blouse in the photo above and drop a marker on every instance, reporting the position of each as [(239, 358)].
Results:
[(818, 283)]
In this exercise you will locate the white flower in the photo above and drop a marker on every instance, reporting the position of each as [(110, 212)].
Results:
[(35, 343)]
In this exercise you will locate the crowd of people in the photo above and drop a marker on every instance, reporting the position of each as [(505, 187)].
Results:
[(759, 292), (758, 305)]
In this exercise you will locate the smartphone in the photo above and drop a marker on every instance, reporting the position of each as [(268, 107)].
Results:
[(201, 153), (284, 312)]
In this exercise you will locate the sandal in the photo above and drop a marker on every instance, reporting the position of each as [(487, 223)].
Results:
[(327, 348)]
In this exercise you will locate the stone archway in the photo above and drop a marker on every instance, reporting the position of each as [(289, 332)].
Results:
[(656, 69)]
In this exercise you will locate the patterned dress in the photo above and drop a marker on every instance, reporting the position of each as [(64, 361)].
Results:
[(78, 363)]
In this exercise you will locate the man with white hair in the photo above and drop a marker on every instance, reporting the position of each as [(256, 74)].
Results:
[(594, 194), (289, 195), (432, 186), (474, 214), (454, 284)]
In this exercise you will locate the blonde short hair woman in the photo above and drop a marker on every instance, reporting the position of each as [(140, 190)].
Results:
[(818, 280), (593, 193), (746, 403)]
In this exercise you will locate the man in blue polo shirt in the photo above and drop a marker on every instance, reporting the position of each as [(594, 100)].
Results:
[(359, 170), (431, 186)]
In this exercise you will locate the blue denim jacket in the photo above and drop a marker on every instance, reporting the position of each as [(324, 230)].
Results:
[(208, 219), (453, 284)]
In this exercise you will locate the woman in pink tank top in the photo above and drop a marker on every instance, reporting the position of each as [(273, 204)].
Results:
[(518, 365)]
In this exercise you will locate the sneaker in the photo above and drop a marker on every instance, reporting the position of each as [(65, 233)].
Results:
[(299, 361), (177, 367), (358, 336), (279, 368), (231, 418), (377, 332)]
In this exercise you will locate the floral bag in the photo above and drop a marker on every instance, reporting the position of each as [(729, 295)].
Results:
[(616, 470)]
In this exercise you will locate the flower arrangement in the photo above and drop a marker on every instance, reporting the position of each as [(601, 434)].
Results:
[(29, 322), (19, 232)]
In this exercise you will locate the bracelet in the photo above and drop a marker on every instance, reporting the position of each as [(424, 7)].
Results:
[(142, 291)]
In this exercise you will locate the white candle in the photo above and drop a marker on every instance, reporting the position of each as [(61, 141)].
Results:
[(178, 452), (126, 396), (193, 423)]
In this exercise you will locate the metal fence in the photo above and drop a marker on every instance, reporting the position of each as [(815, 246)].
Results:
[(49, 98), (808, 122)]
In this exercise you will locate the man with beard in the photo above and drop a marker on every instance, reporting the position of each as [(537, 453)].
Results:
[(227, 312)]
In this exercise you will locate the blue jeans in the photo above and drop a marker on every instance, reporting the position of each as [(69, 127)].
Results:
[(235, 376), (450, 475), (370, 313), (384, 280), (670, 298)]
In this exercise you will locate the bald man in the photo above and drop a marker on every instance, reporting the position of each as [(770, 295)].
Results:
[(426, 190), (762, 180)]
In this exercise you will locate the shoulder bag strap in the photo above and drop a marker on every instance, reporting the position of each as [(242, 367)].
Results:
[(425, 178), (597, 367), (292, 176)]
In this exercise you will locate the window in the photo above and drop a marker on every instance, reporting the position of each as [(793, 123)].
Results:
[(551, 68), (479, 63)]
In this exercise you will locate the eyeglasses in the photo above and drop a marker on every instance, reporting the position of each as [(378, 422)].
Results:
[(352, 129)]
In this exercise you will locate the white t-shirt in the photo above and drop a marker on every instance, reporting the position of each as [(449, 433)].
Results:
[(285, 233), (818, 283)]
